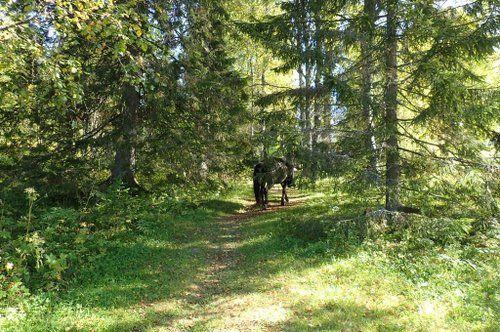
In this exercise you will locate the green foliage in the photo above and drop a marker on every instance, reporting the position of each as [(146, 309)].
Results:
[(304, 229), (143, 242), (433, 272), (425, 232), (66, 67), (438, 270), (44, 249)]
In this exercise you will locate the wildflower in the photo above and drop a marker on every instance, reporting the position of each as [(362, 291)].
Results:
[(31, 193)]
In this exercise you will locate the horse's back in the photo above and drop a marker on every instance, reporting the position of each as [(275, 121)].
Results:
[(269, 172)]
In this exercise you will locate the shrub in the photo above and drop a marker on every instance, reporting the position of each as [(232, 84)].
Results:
[(305, 229), (421, 231), (43, 248), (325, 234)]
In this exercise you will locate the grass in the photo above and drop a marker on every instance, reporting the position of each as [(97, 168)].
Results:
[(219, 268)]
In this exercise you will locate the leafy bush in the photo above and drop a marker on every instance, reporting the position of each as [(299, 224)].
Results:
[(305, 229), (423, 231), (325, 234), (42, 249)]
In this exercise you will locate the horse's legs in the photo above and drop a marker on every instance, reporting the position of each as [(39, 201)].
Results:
[(283, 194), (263, 196), (266, 201)]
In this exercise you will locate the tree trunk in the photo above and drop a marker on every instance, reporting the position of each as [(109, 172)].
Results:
[(318, 63), (265, 145), (366, 99), (392, 153), (252, 98), (308, 117), (305, 46), (319, 59), (125, 163), (301, 104)]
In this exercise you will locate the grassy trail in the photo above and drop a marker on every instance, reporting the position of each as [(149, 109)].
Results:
[(220, 292), (227, 267)]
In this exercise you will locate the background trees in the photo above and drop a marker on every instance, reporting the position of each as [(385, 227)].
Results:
[(383, 91), (378, 77), (125, 78)]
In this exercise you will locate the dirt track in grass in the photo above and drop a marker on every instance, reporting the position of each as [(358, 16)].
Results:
[(209, 293)]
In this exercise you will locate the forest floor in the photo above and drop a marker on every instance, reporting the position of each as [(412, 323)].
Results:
[(227, 268)]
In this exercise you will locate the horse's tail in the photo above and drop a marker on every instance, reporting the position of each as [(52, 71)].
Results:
[(256, 182)]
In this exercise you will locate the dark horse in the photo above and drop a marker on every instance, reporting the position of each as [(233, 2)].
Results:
[(269, 172)]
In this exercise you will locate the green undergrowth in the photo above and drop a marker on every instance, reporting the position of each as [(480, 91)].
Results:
[(336, 269), (323, 265), (91, 265), (319, 264)]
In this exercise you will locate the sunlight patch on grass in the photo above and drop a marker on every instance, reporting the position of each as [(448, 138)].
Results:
[(270, 314), (255, 311), (432, 309)]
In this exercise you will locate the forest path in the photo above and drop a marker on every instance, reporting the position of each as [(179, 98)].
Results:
[(212, 294)]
